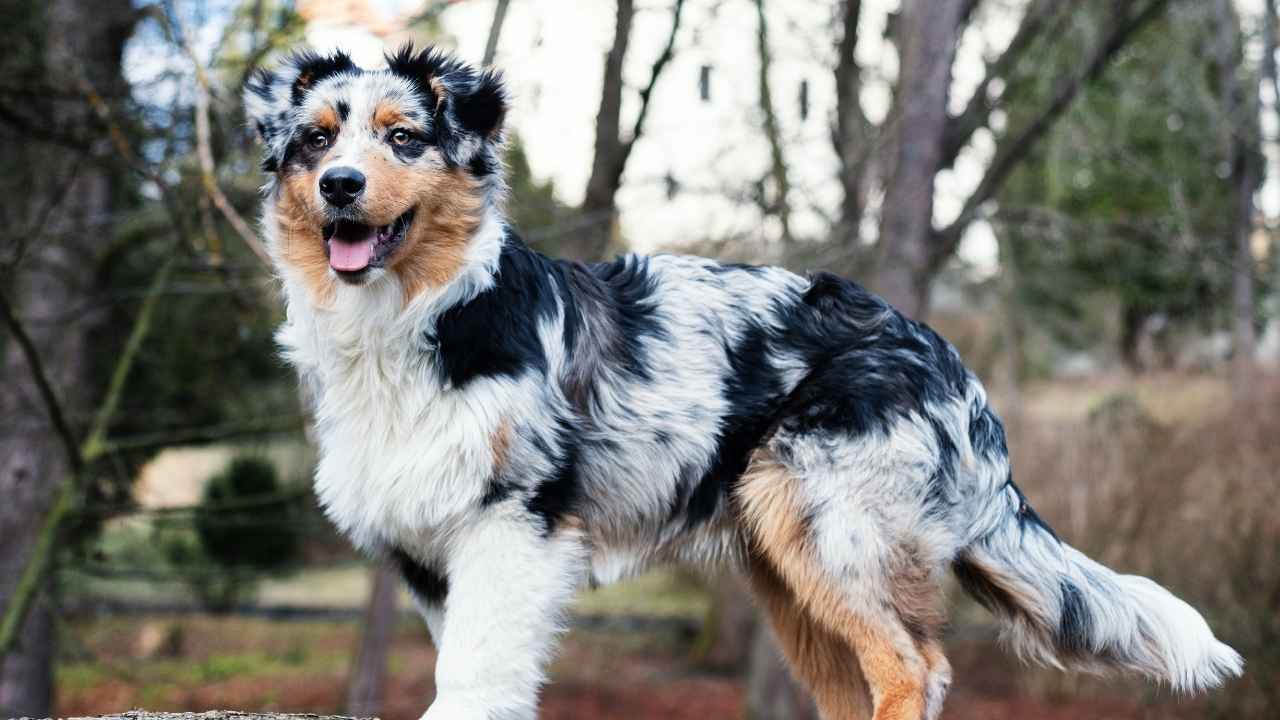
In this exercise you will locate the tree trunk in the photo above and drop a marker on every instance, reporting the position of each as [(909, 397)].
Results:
[(1238, 91), (597, 234), (725, 642), (927, 37), (495, 32), (852, 135), (89, 38), (599, 214), (772, 694), (366, 687), (780, 204)]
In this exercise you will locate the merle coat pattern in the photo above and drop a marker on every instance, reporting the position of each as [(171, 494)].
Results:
[(508, 427)]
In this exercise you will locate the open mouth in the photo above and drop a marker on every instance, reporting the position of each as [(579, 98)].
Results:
[(354, 247)]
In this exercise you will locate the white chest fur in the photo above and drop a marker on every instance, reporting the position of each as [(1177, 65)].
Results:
[(402, 455)]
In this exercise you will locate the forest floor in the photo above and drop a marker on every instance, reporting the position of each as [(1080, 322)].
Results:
[(202, 663)]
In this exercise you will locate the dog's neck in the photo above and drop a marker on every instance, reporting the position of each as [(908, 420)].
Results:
[(374, 319)]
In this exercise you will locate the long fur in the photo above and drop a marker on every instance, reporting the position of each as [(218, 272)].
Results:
[(507, 427)]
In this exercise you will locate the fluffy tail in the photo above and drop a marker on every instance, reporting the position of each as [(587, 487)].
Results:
[(1065, 610)]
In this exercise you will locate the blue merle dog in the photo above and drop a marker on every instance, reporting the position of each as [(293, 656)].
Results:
[(508, 427)]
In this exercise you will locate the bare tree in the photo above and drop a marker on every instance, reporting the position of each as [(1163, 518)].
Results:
[(1241, 136), (772, 694), (779, 205), (927, 37), (918, 139), (367, 685), (612, 151), (495, 31), (89, 38)]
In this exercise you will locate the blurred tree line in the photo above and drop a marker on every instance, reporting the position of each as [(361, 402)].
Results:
[(1119, 147)]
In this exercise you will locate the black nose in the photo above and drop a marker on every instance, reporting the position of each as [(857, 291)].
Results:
[(341, 185)]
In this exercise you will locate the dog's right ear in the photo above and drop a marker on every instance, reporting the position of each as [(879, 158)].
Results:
[(272, 97)]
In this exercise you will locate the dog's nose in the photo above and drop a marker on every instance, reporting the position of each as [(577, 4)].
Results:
[(341, 185)]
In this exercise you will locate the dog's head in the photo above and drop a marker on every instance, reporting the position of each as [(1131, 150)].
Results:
[(377, 171)]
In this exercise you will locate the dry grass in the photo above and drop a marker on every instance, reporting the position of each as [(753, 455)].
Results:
[(1175, 479)]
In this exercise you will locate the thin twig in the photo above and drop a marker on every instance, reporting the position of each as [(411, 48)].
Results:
[(52, 406), (204, 150), (655, 72), (1017, 145)]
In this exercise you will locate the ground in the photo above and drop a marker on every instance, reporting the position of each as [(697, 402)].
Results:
[(202, 663)]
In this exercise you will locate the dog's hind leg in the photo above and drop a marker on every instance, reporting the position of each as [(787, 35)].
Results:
[(819, 658), (881, 606)]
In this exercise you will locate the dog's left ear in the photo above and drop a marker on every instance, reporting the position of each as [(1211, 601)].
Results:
[(272, 96), (468, 106)]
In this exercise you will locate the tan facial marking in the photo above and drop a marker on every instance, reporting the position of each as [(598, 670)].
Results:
[(301, 240), (327, 119), (447, 215), (387, 115)]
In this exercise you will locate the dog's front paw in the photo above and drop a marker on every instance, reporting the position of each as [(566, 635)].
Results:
[(446, 709), (443, 710)]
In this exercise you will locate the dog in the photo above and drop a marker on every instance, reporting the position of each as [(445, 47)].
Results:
[(507, 427)]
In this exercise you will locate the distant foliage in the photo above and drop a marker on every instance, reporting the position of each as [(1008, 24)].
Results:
[(244, 522), (1119, 221), (245, 526)]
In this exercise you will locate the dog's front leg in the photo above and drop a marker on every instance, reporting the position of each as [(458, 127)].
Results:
[(509, 582)]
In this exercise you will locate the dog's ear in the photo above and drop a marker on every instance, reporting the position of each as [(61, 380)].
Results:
[(467, 106), (272, 97)]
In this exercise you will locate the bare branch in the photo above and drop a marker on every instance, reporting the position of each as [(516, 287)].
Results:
[(654, 73), (611, 152), (1041, 17), (605, 168), (1015, 147), (781, 186), (50, 399), (204, 152), (495, 31), (851, 136)]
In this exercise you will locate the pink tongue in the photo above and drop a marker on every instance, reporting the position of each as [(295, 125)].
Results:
[(350, 256)]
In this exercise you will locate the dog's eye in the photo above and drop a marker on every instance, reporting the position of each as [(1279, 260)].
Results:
[(318, 139), (400, 136)]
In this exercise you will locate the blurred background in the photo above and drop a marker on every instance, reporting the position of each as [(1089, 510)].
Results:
[(1083, 195)]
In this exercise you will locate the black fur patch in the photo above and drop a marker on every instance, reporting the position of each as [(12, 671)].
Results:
[(557, 496), (1074, 627), (496, 492), (482, 109), (260, 82), (411, 150), (429, 584), (980, 588), (344, 110), (754, 392), (872, 366), (496, 333), (986, 433), (1028, 518), (313, 68)]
